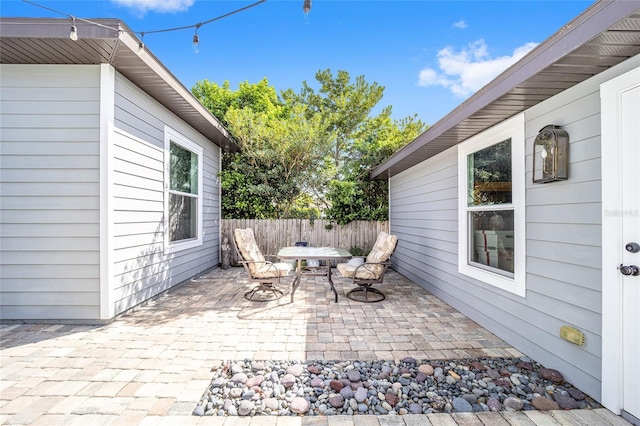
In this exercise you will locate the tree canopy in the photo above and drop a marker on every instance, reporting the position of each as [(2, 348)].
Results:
[(306, 154)]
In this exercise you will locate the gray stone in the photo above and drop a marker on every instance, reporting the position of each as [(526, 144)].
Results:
[(347, 392), (249, 394), (239, 378), (218, 382), (415, 408), (565, 401), (470, 398), (513, 403), (361, 394), (461, 405), (576, 394), (354, 376), (245, 408)]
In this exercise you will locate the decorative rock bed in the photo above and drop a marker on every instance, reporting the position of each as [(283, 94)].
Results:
[(286, 388)]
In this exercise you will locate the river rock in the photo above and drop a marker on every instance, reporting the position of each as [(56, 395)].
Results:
[(551, 375), (461, 405), (565, 401), (336, 401), (545, 404), (513, 403), (576, 394), (245, 407), (295, 369), (336, 385), (426, 369), (299, 405), (255, 381), (288, 380)]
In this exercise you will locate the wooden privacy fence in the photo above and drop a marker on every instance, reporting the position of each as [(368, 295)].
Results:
[(272, 235)]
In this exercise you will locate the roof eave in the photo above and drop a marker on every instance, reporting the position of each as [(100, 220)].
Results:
[(108, 41), (593, 21)]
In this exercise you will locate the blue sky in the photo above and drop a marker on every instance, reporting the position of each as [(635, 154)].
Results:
[(429, 55)]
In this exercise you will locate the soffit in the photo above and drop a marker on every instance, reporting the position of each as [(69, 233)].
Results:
[(46, 41)]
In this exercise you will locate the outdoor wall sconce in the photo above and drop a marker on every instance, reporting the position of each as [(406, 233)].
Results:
[(551, 155)]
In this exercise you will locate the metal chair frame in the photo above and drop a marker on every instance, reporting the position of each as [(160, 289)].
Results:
[(364, 286), (265, 285)]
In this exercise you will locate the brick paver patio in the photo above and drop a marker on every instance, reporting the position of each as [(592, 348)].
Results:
[(152, 365)]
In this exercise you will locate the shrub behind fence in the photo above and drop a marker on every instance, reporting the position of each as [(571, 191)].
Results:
[(272, 235)]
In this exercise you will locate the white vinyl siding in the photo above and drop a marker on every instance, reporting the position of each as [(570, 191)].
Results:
[(563, 242), (49, 193), (142, 267)]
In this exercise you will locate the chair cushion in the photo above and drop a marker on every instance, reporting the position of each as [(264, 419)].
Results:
[(249, 250), (381, 252), (258, 266), (365, 272), (272, 270), (383, 248)]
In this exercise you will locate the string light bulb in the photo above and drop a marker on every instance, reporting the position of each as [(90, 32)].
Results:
[(73, 34), (196, 39), (306, 6), (141, 44)]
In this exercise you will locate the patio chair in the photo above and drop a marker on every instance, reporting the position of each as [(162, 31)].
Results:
[(372, 271), (259, 270)]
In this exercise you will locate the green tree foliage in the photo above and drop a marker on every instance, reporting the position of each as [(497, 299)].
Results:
[(285, 144), (259, 97), (356, 196), (306, 154), (342, 104), (281, 146)]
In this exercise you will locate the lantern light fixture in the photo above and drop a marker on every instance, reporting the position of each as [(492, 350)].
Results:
[(551, 155)]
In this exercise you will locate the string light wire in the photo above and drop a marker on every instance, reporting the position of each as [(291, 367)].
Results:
[(196, 37)]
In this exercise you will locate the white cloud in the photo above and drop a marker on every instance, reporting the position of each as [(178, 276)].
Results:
[(465, 71), (162, 6), (460, 24)]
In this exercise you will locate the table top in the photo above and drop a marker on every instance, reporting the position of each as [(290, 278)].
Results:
[(313, 253)]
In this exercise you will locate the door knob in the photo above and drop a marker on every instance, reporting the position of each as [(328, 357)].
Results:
[(632, 247), (632, 270)]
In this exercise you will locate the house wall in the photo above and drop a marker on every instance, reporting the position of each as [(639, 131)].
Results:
[(563, 242), (141, 268), (49, 191)]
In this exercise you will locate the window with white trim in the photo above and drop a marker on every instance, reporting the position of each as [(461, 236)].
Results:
[(491, 210), (183, 192)]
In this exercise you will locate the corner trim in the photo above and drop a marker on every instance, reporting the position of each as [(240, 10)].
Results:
[(107, 118)]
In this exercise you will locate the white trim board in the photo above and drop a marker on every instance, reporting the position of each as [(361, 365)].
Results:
[(612, 246)]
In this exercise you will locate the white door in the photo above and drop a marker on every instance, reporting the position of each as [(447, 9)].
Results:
[(621, 244)]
